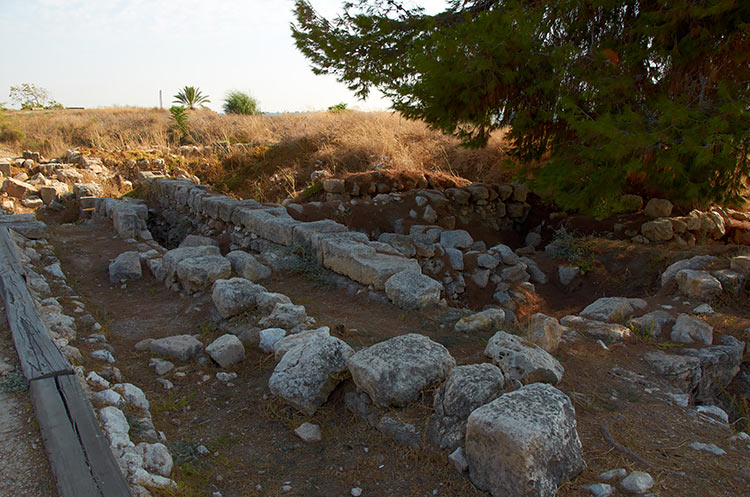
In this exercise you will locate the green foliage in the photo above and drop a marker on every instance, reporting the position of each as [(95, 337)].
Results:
[(181, 124), (564, 245), (237, 102), (190, 96), (30, 96), (598, 95), (313, 189), (338, 108)]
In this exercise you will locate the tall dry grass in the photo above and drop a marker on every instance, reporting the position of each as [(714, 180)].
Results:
[(342, 142)]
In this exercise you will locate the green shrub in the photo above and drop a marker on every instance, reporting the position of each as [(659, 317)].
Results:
[(237, 102), (338, 108), (180, 118)]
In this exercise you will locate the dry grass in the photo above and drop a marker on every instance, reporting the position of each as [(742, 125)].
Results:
[(342, 142)]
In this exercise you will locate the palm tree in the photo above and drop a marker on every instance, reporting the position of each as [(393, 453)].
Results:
[(190, 96)]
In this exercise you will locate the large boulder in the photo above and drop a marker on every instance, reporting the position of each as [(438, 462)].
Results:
[(658, 207), (287, 343), (395, 371), (525, 363), (285, 316), (412, 290), (524, 443), (653, 322), (198, 273), (467, 388), (613, 309), (683, 371), (719, 365), (698, 285), (688, 329), (173, 257), (459, 239), (309, 372), (235, 296), (658, 230), (227, 350), (247, 266), (360, 261), (127, 266), (182, 347), (697, 262)]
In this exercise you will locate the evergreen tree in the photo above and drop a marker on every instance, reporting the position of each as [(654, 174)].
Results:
[(599, 95)]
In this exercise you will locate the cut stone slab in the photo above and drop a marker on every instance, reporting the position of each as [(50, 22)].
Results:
[(613, 309), (411, 290), (227, 350), (198, 241), (684, 371), (525, 363), (395, 371), (467, 388), (182, 347), (526, 439), (688, 329), (127, 266), (488, 320), (308, 373), (235, 296), (698, 285), (198, 273), (173, 257), (719, 365), (247, 266)]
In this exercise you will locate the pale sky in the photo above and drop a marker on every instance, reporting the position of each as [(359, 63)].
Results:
[(103, 53)]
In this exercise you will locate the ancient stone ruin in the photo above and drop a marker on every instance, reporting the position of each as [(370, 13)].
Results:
[(515, 396)]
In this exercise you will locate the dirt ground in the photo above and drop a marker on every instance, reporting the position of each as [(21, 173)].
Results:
[(24, 471), (250, 434)]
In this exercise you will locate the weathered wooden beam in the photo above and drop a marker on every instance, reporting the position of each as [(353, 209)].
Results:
[(102, 464), (66, 457), (38, 355)]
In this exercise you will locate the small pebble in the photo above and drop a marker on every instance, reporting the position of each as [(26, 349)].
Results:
[(600, 490), (637, 482), (613, 474), (286, 488), (356, 492), (708, 448)]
